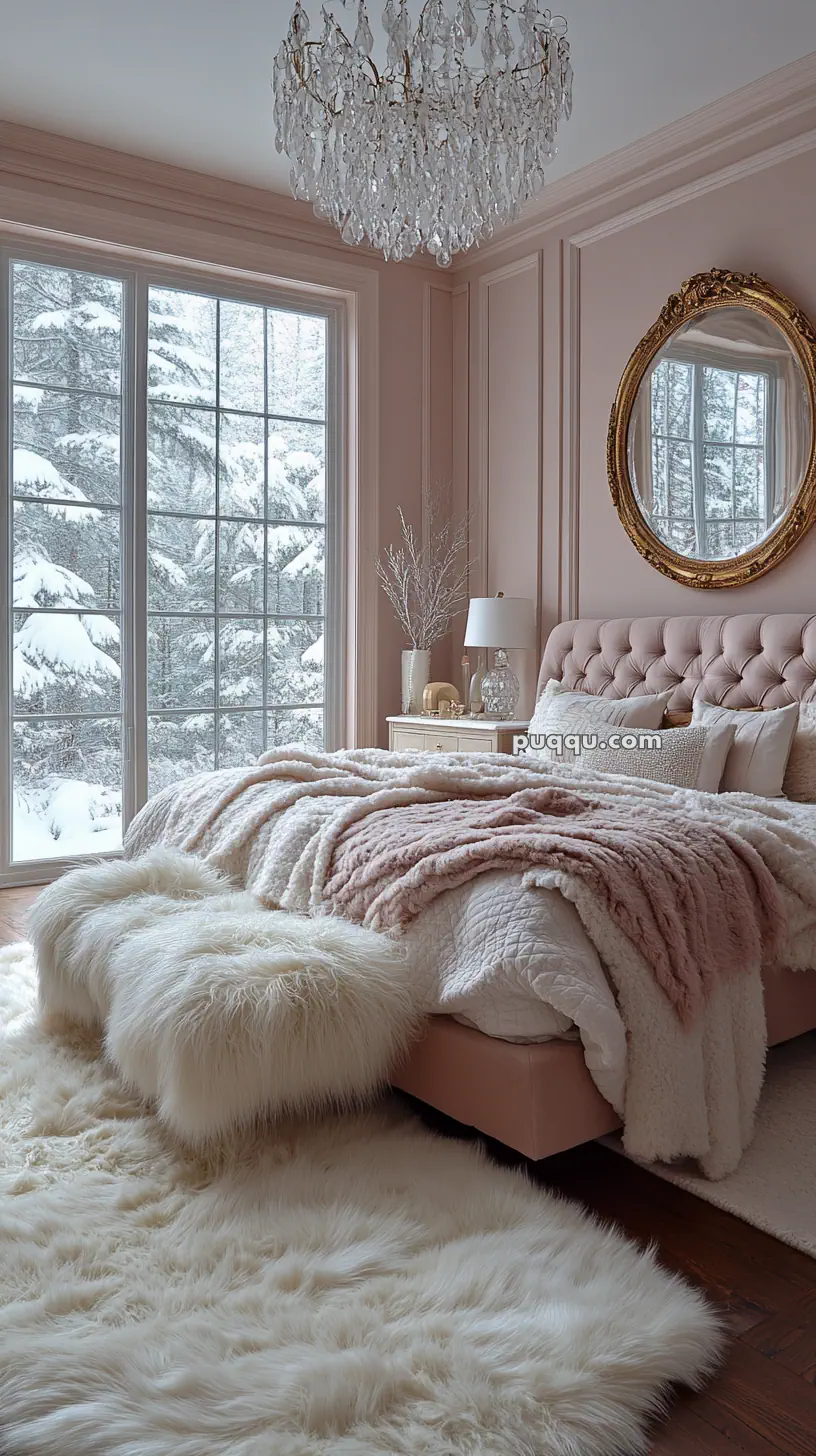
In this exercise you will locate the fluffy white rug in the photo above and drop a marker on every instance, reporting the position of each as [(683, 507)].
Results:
[(353, 1287), (214, 1008), (774, 1186)]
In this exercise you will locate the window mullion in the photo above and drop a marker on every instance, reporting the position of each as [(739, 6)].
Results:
[(5, 563), (216, 583), (136, 627)]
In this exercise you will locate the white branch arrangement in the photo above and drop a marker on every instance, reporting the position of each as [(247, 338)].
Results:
[(427, 583)]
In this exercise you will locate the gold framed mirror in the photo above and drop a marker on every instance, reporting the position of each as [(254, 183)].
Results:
[(711, 450)]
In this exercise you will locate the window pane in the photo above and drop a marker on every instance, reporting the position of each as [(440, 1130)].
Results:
[(178, 747), (66, 445), (748, 480), (719, 467), (65, 556), (296, 364), (295, 661), (181, 459), (659, 385), (67, 327), (680, 487), (719, 394), (241, 661), (65, 662), (297, 474), (181, 346), (751, 409), (180, 662), (296, 570), (67, 788), (679, 386), (241, 466), (241, 359), (181, 564), (240, 739), (719, 540), (303, 726), (241, 566)]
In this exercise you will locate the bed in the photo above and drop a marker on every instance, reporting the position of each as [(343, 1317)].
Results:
[(539, 1097)]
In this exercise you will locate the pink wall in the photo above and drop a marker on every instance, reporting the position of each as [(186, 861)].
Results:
[(552, 320)]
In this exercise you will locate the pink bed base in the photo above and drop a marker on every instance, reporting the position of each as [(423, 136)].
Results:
[(540, 1099)]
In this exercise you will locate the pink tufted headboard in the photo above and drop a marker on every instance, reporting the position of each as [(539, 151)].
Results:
[(740, 662)]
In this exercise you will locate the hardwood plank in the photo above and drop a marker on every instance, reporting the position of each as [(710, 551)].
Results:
[(687, 1434), (763, 1398), (789, 1338), (13, 906)]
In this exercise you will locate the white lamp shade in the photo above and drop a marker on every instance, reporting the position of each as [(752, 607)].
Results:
[(500, 622)]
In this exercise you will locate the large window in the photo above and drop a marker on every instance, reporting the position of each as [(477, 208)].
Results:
[(712, 457), (170, 493)]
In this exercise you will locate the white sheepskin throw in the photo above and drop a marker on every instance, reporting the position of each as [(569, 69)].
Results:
[(214, 1008), (351, 1287)]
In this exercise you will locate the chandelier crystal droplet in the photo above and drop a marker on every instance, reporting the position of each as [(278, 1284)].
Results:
[(427, 150)]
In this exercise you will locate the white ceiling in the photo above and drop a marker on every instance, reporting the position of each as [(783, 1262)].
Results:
[(188, 81)]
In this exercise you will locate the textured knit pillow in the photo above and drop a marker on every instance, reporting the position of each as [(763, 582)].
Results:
[(559, 710), (690, 758), (800, 775), (762, 744)]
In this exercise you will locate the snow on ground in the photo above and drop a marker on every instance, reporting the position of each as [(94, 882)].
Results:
[(64, 818)]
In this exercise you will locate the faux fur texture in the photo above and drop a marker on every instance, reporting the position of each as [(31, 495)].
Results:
[(216, 1009), (690, 1091), (355, 1287)]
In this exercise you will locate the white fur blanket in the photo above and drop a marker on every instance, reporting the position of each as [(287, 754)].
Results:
[(214, 1009), (688, 1091)]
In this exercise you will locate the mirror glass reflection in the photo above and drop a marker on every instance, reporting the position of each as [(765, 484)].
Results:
[(719, 437)]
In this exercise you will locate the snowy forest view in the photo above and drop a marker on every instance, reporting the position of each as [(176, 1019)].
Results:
[(234, 552), (709, 482)]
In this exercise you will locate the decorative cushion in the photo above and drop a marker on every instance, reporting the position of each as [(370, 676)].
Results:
[(559, 710), (762, 745), (691, 758), (800, 775)]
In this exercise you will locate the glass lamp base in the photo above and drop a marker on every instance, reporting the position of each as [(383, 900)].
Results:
[(500, 688)]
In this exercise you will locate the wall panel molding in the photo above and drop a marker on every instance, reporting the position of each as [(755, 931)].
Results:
[(570, 434)]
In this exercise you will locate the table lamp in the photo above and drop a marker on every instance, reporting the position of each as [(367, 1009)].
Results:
[(502, 623)]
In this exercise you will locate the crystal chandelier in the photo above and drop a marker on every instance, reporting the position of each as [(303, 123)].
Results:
[(429, 151)]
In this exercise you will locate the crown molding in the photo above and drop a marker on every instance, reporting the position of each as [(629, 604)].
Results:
[(747, 122), (60, 164)]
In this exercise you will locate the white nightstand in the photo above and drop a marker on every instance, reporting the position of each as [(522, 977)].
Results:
[(408, 734)]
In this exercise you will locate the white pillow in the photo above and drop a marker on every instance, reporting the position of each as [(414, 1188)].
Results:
[(800, 775), (691, 758), (762, 745), (560, 710)]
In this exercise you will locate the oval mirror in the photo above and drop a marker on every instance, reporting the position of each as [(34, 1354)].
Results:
[(712, 445)]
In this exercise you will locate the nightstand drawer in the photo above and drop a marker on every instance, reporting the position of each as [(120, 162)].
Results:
[(407, 740), (443, 740), (477, 742)]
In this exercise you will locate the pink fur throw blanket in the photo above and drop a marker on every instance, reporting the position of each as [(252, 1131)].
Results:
[(697, 899)]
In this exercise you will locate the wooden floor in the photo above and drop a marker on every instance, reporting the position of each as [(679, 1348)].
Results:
[(764, 1401)]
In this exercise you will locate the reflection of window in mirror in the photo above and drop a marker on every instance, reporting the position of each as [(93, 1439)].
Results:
[(712, 473)]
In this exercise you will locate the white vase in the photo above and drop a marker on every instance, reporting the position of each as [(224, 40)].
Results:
[(416, 674)]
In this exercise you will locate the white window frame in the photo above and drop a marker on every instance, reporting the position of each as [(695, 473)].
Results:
[(137, 278)]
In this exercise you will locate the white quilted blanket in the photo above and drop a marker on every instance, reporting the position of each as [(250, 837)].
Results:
[(510, 954)]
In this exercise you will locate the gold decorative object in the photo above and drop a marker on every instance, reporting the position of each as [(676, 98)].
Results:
[(693, 467), (435, 693)]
